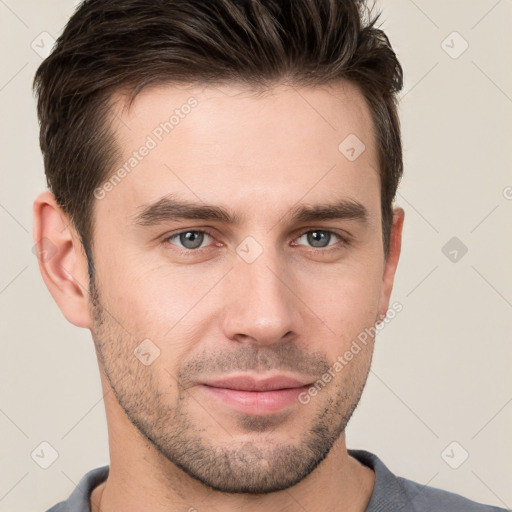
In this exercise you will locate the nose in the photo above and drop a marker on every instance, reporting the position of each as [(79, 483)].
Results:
[(263, 307)]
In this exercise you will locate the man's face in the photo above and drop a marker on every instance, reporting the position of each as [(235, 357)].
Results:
[(271, 294)]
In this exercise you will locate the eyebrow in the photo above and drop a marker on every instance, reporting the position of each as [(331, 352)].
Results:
[(170, 208)]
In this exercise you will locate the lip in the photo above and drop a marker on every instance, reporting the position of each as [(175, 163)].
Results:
[(259, 397), (247, 383)]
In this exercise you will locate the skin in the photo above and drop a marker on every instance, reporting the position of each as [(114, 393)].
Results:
[(293, 310)]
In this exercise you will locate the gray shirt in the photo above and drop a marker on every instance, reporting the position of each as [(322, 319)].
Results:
[(390, 493)]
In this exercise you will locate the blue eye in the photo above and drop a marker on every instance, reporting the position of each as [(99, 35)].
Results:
[(189, 239), (319, 238)]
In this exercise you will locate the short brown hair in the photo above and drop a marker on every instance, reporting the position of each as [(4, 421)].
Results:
[(114, 45)]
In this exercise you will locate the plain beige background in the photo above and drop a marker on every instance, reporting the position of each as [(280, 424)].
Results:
[(440, 386)]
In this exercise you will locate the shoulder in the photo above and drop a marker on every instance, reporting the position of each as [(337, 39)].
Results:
[(426, 498), (78, 501), (60, 507), (398, 494)]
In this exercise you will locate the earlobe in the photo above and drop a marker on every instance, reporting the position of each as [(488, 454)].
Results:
[(61, 259), (395, 245)]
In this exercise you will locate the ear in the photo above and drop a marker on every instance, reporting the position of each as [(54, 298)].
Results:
[(395, 245), (62, 260)]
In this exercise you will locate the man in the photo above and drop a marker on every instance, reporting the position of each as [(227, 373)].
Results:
[(221, 218)]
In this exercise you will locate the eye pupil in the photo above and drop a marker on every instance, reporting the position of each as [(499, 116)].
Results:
[(316, 238), (191, 239)]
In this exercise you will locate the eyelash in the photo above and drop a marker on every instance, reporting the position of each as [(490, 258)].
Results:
[(188, 252)]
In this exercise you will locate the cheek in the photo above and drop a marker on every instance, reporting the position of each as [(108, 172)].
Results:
[(140, 292), (348, 304), (168, 306)]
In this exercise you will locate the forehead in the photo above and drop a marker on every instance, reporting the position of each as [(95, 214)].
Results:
[(231, 145)]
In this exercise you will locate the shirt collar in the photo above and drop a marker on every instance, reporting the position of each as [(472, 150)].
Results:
[(388, 494)]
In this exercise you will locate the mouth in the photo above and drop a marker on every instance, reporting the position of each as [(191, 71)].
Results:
[(256, 396)]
